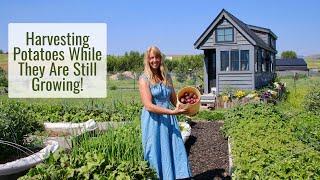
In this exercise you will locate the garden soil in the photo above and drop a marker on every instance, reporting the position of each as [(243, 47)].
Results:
[(208, 151)]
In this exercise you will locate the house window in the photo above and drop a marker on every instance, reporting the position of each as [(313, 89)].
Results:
[(224, 35), (224, 60), (234, 60), (259, 60), (244, 60)]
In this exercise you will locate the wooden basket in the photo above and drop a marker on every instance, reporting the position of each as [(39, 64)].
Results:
[(192, 109)]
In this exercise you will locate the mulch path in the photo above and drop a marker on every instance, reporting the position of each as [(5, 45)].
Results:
[(208, 151)]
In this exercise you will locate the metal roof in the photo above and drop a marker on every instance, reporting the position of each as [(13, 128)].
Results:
[(291, 62)]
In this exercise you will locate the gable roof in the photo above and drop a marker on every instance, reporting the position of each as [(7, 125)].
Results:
[(291, 62), (238, 24), (262, 29)]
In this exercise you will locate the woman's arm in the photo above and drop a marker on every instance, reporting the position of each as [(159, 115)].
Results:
[(146, 99), (173, 97)]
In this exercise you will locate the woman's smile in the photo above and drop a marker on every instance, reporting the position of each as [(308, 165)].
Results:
[(154, 61)]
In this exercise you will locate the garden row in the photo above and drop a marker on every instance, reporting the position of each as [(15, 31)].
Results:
[(270, 142), (19, 119)]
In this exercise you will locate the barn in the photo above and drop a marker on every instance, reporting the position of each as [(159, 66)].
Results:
[(285, 67)]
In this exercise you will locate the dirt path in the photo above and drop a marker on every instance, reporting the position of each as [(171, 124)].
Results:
[(208, 151)]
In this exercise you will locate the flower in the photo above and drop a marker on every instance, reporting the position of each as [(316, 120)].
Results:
[(252, 95), (273, 93), (225, 98), (240, 94)]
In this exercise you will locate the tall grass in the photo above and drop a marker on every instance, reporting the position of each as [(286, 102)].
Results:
[(297, 91)]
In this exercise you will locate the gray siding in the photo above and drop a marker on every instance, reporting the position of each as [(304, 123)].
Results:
[(236, 81), (210, 42)]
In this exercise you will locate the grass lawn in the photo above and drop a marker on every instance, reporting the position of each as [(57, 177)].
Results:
[(4, 61), (112, 96), (3, 58), (297, 92)]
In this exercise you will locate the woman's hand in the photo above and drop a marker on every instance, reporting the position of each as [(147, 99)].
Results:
[(180, 109)]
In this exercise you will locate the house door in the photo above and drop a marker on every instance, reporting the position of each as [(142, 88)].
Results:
[(210, 55)]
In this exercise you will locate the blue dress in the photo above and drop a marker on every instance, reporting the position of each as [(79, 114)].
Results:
[(161, 138)]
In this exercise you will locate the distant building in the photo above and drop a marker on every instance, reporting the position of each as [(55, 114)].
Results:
[(236, 54), (174, 56), (286, 67)]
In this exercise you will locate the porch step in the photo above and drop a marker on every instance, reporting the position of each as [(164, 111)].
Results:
[(207, 99)]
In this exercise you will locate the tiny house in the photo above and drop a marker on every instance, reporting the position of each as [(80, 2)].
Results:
[(236, 54)]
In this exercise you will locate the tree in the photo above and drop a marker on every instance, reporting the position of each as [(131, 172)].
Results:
[(288, 55), (1, 51)]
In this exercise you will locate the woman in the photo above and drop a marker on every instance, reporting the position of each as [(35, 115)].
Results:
[(161, 138)]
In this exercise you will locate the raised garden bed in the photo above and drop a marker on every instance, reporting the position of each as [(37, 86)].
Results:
[(10, 168)]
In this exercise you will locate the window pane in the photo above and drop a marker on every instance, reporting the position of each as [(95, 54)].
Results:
[(220, 38), (259, 60), (220, 32), (235, 60), (224, 56), (244, 60), (224, 34), (228, 31), (228, 38)]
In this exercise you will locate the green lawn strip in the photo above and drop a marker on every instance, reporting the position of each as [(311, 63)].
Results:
[(208, 115), (126, 96), (3, 58), (297, 92)]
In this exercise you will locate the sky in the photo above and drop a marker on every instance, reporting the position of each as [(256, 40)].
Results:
[(172, 25)]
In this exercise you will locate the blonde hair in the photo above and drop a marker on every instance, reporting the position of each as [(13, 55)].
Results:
[(163, 69)]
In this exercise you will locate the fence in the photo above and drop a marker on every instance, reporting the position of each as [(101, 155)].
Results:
[(129, 80)]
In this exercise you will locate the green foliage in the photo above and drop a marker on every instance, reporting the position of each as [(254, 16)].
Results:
[(210, 115), (311, 101), (265, 144), (132, 61), (186, 63), (117, 154), (113, 87), (288, 55), (1, 51), (16, 121), (3, 78), (117, 111), (171, 64), (306, 128)]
